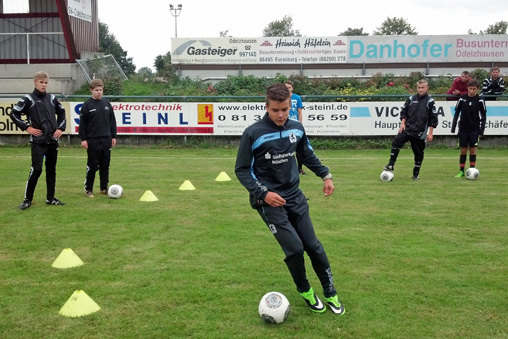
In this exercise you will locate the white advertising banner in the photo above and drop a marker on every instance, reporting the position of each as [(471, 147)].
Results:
[(319, 118), (326, 50), (81, 9)]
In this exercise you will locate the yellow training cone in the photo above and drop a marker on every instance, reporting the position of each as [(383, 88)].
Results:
[(78, 305), (67, 259), (148, 196), (187, 186), (223, 177)]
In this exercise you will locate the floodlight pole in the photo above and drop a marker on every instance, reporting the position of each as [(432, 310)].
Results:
[(175, 11)]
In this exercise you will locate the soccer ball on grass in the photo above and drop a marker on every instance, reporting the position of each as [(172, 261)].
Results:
[(472, 173), (386, 176), (115, 191), (274, 308)]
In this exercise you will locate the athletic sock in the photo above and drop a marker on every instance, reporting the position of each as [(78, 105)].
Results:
[(472, 160), (462, 162)]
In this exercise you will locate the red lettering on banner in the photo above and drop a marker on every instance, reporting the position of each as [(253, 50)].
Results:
[(165, 130)]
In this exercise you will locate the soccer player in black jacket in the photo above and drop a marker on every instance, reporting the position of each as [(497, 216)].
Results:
[(267, 167), (473, 115), (45, 122), (97, 130), (418, 120)]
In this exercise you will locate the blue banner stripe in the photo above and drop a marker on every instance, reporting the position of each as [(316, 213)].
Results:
[(360, 112), (497, 111)]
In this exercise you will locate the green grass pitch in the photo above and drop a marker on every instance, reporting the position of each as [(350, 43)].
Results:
[(410, 259)]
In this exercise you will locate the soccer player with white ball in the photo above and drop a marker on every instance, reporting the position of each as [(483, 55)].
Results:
[(472, 111), (418, 119), (267, 168)]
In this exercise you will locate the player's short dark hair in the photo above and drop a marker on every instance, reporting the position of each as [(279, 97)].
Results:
[(464, 73), (473, 83), (96, 83), (289, 82), (277, 92)]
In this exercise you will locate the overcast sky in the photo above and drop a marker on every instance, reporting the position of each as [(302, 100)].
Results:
[(145, 28)]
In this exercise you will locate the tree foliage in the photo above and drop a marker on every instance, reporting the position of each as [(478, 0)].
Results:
[(497, 28), (395, 26), (353, 32), (163, 66), (282, 27), (109, 45)]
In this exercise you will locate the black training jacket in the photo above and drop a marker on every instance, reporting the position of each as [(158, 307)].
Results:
[(97, 119), (266, 159), (40, 109), (420, 113), (472, 112)]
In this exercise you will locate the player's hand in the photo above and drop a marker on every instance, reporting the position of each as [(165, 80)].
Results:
[(84, 144), (402, 128), (113, 142), (430, 137), (57, 134), (328, 187), (34, 131), (274, 200)]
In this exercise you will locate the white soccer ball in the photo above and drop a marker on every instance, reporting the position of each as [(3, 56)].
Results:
[(274, 308), (115, 191), (472, 173), (386, 176)]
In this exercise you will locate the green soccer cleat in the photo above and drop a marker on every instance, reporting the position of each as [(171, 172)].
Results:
[(460, 175), (313, 301), (335, 305)]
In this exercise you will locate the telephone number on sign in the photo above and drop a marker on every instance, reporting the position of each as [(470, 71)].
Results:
[(236, 117), (246, 54), (257, 117), (323, 117), (332, 58)]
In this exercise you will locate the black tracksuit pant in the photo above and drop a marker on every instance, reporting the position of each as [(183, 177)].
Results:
[(39, 153), (99, 157), (417, 145), (292, 227)]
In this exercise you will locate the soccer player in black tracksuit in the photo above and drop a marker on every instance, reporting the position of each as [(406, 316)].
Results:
[(267, 167), (97, 130), (418, 120), (40, 109), (473, 116)]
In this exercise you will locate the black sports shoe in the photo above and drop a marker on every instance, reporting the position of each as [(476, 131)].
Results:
[(25, 204), (388, 168), (416, 178), (54, 201)]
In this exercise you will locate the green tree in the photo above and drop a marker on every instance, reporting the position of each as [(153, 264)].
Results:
[(497, 28), (145, 72), (282, 27), (224, 34), (163, 66), (395, 26), (109, 45), (353, 32)]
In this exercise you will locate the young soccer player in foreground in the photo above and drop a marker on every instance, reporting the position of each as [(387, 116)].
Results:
[(267, 167)]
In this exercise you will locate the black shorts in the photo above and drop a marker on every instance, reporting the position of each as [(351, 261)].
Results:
[(468, 139)]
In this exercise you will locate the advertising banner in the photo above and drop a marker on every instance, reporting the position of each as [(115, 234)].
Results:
[(319, 118), (338, 49)]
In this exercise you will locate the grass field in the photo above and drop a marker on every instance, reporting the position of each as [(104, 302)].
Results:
[(424, 259)]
